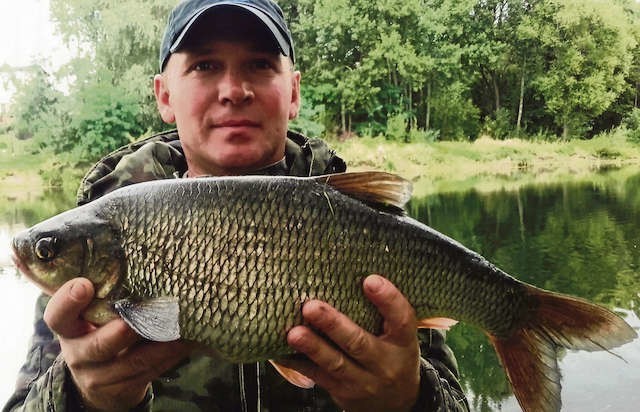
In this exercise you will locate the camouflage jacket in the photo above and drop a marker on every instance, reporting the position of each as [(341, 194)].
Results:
[(203, 383)]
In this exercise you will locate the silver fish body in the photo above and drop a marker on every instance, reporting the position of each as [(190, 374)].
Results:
[(240, 255), (243, 255)]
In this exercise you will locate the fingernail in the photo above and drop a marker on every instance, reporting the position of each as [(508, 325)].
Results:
[(374, 283), (296, 339), (78, 291), (311, 309)]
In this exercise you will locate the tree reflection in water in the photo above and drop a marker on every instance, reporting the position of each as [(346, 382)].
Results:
[(579, 239)]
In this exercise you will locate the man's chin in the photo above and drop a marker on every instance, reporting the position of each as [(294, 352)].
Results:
[(242, 163)]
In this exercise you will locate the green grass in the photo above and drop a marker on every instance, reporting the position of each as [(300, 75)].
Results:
[(489, 164), (485, 164), (26, 171)]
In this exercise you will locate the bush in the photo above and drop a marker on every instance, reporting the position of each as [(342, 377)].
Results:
[(424, 136), (310, 120), (397, 127), (632, 123), (499, 127), (454, 113)]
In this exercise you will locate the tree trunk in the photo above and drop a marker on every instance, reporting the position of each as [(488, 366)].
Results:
[(343, 119), (520, 105), (496, 91), (412, 119), (428, 119), (565, 130)]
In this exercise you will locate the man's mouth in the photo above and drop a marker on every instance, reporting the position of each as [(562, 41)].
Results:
[(236, 123)]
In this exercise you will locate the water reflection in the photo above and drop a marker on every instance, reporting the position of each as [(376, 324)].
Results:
[(17, 296), (580, 239), (31, 210)]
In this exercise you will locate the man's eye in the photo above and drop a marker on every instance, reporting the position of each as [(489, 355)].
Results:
[(203, 66), (261, 64)]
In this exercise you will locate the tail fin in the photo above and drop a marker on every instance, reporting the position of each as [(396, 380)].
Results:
[(529, 356)]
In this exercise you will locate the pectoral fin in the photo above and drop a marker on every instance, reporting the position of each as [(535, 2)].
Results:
[(154, 319), (293, 376)]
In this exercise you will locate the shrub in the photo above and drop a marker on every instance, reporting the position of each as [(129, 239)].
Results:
[(397, 127), (632, 123), (424, 136), (499, 127)]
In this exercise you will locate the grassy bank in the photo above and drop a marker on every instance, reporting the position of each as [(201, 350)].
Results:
[(26, 172), (488, 164), (484, 165)]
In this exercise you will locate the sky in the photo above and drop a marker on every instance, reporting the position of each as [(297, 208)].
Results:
[(28, 35)]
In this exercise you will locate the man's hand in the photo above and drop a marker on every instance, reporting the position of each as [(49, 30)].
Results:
[(370, 373), (110, 365)]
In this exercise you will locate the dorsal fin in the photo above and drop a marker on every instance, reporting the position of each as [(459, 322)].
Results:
[(384, 191)]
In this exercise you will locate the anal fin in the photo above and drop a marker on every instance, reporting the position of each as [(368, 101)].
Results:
[(436, 323)]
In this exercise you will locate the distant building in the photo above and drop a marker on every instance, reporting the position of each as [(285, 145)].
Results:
[(4, 113), (6, 91)]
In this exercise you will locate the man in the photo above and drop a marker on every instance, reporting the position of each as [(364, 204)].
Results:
[(227, 81)]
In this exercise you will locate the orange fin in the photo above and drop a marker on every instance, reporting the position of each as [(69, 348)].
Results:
[(386, 191), (436, 323), (293, 376), (530, 356)]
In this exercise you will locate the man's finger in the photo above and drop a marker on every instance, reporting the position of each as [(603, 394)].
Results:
[(350, 337), (146, 362), (106, 342), (62, 314), (399, 317), (329, 367)]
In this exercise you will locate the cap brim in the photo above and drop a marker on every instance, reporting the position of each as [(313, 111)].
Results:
[(283, 44)]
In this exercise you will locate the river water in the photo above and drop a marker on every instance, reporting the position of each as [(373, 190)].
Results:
[(576, 238)]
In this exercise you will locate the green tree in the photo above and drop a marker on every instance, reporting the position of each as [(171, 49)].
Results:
[(101, 117), (412, 69), (588, 55), (110, 99), (34, 103), (369, 61)]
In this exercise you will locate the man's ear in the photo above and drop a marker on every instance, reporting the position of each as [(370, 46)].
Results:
[(161, 91), (294, 108)]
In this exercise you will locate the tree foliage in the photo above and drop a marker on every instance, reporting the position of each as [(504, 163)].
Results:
[(448, 68), (34, 103)]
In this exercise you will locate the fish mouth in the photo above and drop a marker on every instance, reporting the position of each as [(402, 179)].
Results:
[(24, 269)]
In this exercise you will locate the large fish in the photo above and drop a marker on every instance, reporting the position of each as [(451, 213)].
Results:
[(228, 262)]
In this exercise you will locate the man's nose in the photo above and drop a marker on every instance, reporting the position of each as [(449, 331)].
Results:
[(234, 89)]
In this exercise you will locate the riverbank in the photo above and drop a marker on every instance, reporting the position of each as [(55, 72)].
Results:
[(485, 164), (488, 165)]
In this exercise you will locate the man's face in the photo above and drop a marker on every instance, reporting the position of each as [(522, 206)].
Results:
[(231, 102)]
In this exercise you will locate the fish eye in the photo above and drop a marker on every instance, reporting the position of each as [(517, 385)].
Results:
[(45, 248)]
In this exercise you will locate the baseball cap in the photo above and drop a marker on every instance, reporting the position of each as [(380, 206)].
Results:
[(185, 15)]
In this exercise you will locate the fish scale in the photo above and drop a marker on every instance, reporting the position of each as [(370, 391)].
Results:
[(346, 254), (231, 261)]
